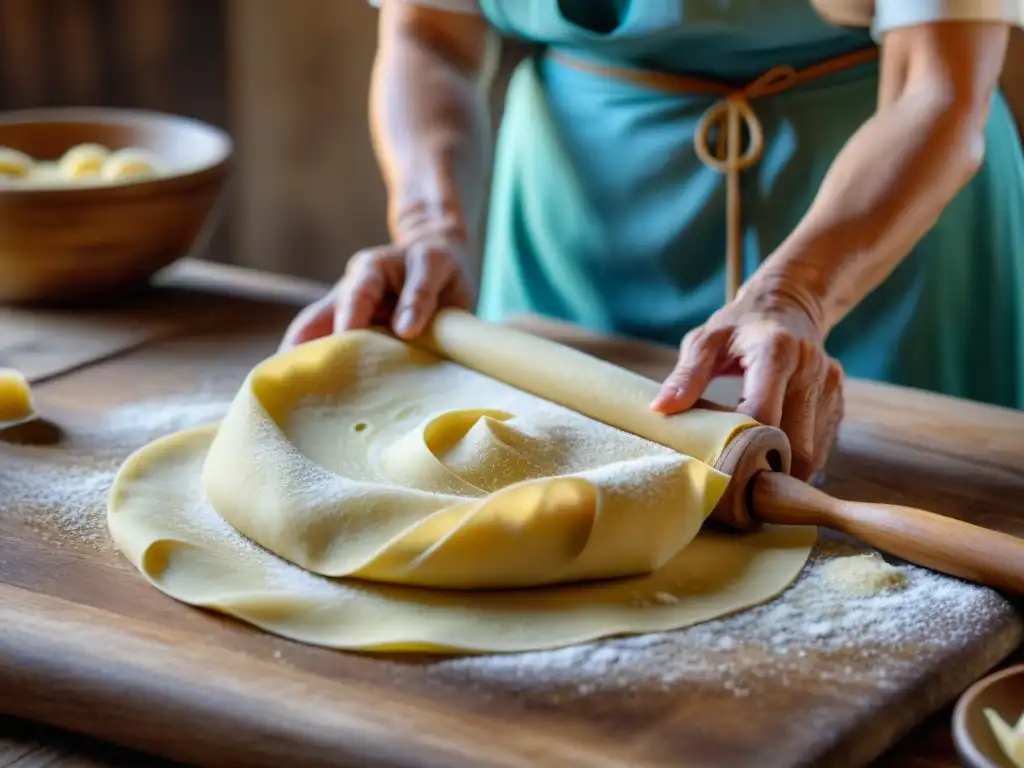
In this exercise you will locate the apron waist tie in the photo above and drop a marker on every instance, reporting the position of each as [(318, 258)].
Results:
[(726, 119)]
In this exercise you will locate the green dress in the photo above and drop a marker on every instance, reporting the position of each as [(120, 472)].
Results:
[(602, 214)]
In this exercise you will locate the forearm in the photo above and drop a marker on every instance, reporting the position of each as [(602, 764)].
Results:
[(884, 191), (1012, 80), (429, 123), (898, 172)]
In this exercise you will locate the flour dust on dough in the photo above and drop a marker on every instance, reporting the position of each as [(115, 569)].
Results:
[(362, 493)]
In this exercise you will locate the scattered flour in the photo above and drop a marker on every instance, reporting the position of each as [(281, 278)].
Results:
[(61, 490), (814, 635), (818, 633)]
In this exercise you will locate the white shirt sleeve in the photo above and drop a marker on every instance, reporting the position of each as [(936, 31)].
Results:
[(892, 14), (885, 15), (455, 6)]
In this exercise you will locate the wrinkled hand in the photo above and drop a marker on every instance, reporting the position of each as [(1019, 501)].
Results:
[(789, 381), (400, 285)]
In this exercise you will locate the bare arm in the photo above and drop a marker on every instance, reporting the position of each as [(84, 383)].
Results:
[(895, 176), (883, 192), (428, 119), (1012, 81), (431, 136)]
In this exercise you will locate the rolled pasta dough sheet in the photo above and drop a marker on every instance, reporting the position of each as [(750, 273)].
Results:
[(365, 494), (596, 388)]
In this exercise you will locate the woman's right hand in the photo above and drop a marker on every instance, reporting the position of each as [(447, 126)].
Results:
[(431, 140), (399, 285)]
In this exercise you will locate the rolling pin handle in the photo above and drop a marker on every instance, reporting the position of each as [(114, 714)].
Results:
[(933, 541)]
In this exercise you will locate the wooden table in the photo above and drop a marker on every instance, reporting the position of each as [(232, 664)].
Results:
[(958, 458)]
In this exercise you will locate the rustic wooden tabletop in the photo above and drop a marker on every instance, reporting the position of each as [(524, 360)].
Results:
[(47, 354)]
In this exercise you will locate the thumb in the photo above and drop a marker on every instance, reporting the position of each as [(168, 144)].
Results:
[(314, 322), (697, 365)]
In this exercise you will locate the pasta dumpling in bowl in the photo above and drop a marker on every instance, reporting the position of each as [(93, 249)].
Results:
[(82, 164), (14, 164)]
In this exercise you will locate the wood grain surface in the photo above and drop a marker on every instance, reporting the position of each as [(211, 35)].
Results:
[(44, 343), (86, 645), (298, 101), (166, 55)]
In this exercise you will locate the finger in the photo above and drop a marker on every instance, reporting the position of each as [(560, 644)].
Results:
[(314, 322), (428, 272), (766, 373), (385, 310), (699, 355), (799, 415), (829, 415), (361, 291), (457, 293)]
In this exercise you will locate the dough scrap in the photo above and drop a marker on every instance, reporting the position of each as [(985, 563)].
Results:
[(391, 499), (15, 397)]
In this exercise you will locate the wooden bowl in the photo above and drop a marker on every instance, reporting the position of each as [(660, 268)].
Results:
[(975, 742), (60, 243)]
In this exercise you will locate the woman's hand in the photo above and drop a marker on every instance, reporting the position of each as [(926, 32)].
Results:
[(773, 339), (400, 285)]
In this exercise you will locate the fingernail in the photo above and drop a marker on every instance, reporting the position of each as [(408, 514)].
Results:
[(405, 321)]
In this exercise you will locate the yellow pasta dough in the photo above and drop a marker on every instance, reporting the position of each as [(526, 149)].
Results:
[(82, 161), (15, 397), (14, 164), (389, 498), (127, 164), (83, 165)]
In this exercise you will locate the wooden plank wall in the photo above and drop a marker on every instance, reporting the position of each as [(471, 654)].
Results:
[(308, 192), (154, 54)]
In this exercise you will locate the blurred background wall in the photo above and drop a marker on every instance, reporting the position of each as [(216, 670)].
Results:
[(287, 78)]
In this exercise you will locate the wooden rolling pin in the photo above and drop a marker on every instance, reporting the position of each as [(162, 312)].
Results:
[(757, 458), (762, 491)]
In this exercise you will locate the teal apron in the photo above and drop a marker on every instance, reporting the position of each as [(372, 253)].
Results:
[(603, 215)]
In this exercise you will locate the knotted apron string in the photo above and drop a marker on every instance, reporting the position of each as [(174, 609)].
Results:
[(725, 118)]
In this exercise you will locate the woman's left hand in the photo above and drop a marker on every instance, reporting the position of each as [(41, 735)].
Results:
[(774, 341)]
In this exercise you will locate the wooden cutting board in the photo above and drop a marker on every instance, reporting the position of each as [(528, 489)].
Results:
[(811, 678), (44, 343)]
